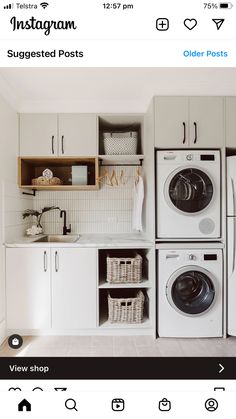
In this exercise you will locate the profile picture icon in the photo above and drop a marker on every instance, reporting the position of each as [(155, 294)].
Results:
[(211, 405)]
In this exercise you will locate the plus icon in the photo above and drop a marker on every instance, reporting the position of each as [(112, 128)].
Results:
[(162, 24)]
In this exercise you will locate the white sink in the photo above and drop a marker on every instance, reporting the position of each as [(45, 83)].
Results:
[(57, 238)]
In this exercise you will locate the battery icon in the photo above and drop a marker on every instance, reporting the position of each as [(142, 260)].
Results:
[(226, 5)]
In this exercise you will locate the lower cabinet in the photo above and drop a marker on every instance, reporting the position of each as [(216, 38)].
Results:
[(74, 288), (28, 288), (51, 288)]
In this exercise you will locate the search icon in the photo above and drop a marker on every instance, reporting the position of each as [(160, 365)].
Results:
[(71, 404)]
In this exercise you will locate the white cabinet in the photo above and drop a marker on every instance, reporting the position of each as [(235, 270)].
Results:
[(171, 119), (58, 135), (28, 288), (74, 288), (230, 107), (54, 287), (194, 122), (38, 135), (77, 135), (206, 122)]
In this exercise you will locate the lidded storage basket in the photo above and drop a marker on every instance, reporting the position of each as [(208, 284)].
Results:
[(126, 310), (122, 270), (120, 143)]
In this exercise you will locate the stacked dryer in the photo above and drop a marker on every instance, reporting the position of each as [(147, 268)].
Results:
[(189, 275)]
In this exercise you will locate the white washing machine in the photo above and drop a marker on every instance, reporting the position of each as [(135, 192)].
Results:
[(188, 194), (190, 293)]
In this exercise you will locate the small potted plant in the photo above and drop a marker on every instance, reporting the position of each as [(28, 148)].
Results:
[(36, 228)]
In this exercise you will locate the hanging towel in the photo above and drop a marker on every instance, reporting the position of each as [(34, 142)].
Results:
[(138, 196)]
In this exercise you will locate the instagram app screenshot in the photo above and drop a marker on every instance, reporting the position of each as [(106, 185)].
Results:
[(117, 209)]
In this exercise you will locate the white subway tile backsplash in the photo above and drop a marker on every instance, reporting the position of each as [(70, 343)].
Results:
[(14, 203), (108, 210)]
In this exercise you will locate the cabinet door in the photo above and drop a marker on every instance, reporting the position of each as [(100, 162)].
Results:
[(74, 273), (171, 122), (231, 122), (38, 135), (28, 288), (77, 135), (206, 123)]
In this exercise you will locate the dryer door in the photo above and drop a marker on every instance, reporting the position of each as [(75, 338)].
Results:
[(191, 290), (189, 190)]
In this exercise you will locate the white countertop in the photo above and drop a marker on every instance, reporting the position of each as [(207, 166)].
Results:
[(87, 240)]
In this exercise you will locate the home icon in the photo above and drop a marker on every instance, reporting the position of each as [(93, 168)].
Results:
[(24, 405)]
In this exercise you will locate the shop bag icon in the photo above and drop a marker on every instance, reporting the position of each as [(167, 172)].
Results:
[(15, 341), (164, 405)]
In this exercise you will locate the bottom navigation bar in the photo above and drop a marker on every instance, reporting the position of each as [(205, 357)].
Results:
[(137, 403)]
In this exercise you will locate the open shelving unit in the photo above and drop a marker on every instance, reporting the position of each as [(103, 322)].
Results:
[(118, 123), (32, 167), (124, 290)]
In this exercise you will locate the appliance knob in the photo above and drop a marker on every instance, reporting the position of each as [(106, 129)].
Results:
[(192, 257), (189, 157)]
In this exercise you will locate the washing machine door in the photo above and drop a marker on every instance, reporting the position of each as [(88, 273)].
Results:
[(189, 190), (191, 290)]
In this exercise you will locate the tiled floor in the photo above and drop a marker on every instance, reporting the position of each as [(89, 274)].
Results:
[(120, 346)]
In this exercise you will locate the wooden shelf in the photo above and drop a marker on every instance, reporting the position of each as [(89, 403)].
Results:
[(121, 157), (106, 324), (61, 187), (103, 284), (32, 167), (121, 160)]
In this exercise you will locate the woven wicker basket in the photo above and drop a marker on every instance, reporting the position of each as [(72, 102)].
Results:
[(126, 310), (121, 270), (120, 143)]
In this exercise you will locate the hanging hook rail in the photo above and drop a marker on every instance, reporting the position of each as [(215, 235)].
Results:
[(121, 164)]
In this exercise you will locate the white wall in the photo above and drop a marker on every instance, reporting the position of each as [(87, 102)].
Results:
[(108, 90), (8, 188), (14, 205), (108, 210)]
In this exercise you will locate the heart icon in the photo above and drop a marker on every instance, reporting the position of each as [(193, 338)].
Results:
[(190, 23)]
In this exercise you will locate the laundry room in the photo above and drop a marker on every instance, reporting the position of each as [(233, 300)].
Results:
[(118, 212)]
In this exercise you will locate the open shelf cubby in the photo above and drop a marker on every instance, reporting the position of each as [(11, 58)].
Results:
[(123, 253), (122, 293), (120, 123), (33, 167), (126, 289)]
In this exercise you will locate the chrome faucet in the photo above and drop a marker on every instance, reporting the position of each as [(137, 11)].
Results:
[(65, 228)]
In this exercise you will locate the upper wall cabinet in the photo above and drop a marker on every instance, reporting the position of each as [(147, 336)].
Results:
[(43, 135), (77, 135), (231, 122), (194, 122), (38, 135), (171, 117), (206, 122)]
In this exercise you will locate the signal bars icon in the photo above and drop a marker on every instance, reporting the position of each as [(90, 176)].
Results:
[(8, 6), (44, 5)]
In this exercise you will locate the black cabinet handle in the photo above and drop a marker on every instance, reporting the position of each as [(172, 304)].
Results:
[(184, 139), (56, 262), (195, 128), (62, 144), (45, 261), (52, 144)]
